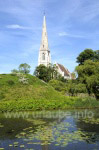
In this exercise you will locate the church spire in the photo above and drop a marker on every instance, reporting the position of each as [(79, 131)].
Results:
[(44, 53), (44, 41)]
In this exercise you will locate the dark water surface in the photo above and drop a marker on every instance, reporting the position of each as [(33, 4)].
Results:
[(50, 130)]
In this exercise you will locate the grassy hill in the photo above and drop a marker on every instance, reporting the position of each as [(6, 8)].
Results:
[(35, 95), (12, 89)]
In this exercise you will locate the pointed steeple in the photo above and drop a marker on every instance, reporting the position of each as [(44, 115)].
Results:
[(44, 52), (44, 41)]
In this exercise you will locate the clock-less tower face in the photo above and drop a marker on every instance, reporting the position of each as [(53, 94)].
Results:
[(44, 52)]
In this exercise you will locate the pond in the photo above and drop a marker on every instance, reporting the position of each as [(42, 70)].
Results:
[(50, 130)]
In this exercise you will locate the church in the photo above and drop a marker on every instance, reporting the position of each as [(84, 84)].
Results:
[(45, 55)]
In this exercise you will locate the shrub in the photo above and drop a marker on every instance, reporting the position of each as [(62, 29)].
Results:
[(58, 85), (10, 82)]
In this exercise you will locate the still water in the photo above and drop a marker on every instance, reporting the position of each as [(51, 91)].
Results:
[(50, 130)]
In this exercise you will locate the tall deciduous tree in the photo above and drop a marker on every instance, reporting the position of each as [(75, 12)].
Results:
[(88, 73)]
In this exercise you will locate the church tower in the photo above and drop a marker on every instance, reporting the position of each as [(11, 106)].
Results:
[(44, 52)]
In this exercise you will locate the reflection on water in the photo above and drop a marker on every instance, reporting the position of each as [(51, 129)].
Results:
[(54, 130)]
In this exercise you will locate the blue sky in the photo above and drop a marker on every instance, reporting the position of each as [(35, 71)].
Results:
[(72, 26)]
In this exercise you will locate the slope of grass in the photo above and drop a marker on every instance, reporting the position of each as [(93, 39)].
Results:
[(36, 95), (35, 89)]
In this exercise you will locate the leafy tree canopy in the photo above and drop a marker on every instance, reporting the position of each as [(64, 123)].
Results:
[(46, 73), (24, 68), (88, 73), (87, 54), (41, 72)]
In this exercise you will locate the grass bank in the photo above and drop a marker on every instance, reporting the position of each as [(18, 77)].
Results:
[(36, 95), (41, 104)]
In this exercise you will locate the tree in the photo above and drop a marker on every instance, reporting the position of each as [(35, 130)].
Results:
[(74, 87), (73, 74), (42, 73), (88, 74), (85, 55), (46, 73), (24, 68), (52, 69)]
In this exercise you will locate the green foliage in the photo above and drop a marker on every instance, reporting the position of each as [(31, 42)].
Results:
[(52, 69), (87, 54), (58, 85), (96, 55), (62, 79), (89, 75), (75, 89), (80, 88), (42, 73), (73, 74), (44, 104), (37, 95), (72, 87), (46, 73), (87, 102), (10, 82), (24, 68)]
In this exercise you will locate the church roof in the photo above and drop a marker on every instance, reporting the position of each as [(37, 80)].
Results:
[(65, 70)]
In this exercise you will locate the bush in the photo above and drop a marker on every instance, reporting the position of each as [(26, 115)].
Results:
[(76, 88), (10, 82), (58, 85)]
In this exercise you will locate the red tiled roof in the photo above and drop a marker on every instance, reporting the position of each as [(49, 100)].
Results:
[(63, 69)]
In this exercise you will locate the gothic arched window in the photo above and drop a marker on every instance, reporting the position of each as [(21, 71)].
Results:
[(43, 56)]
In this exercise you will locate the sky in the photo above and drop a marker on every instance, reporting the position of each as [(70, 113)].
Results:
[(72, 26)]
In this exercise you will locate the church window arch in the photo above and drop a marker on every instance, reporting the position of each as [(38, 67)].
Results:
[(43, 56)]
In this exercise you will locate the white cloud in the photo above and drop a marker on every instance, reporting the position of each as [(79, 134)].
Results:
[(16, 26), (71, 35), (63, 34)]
